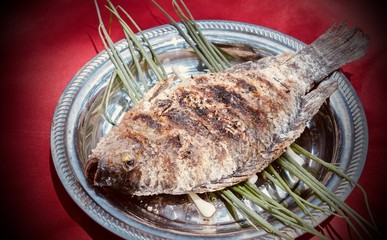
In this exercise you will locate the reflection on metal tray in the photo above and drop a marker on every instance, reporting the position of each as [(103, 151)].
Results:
[(338, 133)]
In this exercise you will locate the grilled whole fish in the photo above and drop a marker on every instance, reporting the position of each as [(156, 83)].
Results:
[(217, 129)]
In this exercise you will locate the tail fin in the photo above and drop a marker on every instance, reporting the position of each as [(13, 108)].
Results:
[(335, 48)]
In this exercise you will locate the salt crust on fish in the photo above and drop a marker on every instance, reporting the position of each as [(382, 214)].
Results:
[(217, 129)]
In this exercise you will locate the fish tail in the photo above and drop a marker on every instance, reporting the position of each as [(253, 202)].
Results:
[(333, 49)]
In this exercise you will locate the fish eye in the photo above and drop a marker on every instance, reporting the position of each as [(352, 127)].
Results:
[(128, 165), (128, 162)]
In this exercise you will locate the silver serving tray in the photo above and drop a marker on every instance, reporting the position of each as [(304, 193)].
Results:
[(338, 133)]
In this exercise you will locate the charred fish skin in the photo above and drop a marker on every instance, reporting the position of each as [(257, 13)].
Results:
[(216, 130)]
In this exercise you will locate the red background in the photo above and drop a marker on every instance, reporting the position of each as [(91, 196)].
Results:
[(44, 43)]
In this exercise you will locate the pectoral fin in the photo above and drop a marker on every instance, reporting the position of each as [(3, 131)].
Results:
[(309, 106), (311, 102)]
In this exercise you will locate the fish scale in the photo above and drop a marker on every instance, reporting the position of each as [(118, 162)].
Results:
[(218, 129)]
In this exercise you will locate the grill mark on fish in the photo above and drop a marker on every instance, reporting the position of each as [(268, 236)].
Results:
[(175, 142), (213, 118), (163, 104), (230, 98), (243, 84), (148, 121), (238, 107), (194, 101), (258, 99), (184, 120), (137, 138), (224, 111)]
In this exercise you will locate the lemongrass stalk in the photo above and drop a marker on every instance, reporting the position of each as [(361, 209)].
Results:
[(154, 61), (320, 194), (286, 222), (193, 34), (340, 203), (304, 203), (111, 49), (232, 199), (121, 68), (336, 170), (113, 54), (106, 97), (236, 207), (186, 38), (304, 228), (133, 38), (139, 70), (277, 210), (294, 168), (210, 58), (212, 196), (158, 65), (278, 181), (193, 44), (201, 45), (233, 211), (256, 197), (221, 59), (308, 179), (201, 42), (289, 167)]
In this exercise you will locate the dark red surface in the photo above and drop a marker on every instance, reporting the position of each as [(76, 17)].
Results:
[(44, 43)]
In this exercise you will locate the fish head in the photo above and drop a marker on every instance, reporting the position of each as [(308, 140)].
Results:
[(110, 170)]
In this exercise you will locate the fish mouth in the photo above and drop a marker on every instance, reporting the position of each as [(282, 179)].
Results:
[(91, 170), (98, 177)]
